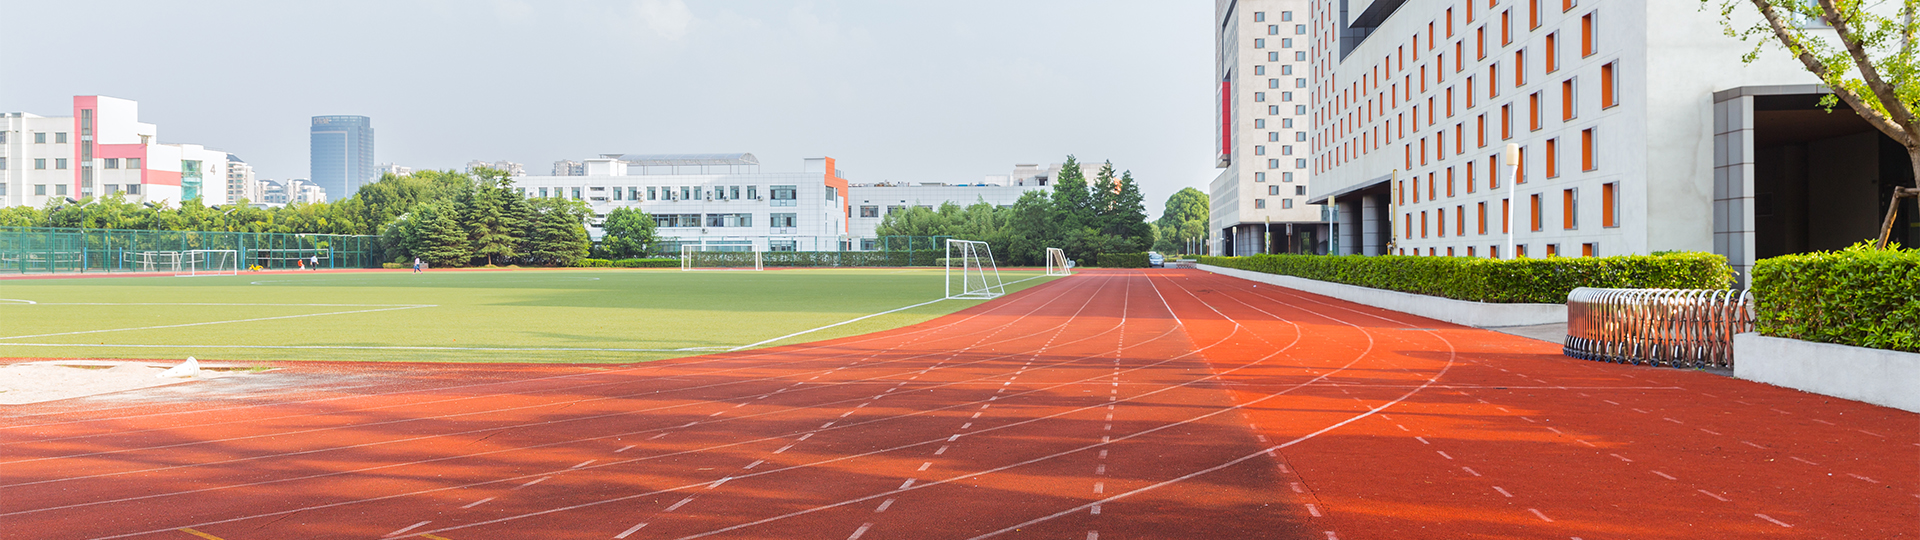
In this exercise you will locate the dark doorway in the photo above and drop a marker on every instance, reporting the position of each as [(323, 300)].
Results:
[(1822, 179)]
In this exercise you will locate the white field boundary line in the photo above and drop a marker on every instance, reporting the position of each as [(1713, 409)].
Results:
[(355, 347), (854, 320), (16, 300), (218, 322), (212, 304)]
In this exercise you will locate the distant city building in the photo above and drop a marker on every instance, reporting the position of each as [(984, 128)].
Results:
[(241, 184), (721, 201), (869, 204), (512, 169), (1259, 200), (297, 190), (568, 167), (342, 154), (102, 148), (389, 168)]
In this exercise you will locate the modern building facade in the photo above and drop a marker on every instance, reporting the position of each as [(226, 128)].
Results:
[(869, 204), (342, 156), (1636, 124), (102, 149), (241, 183), (1259, 200), (719, 201), (511, 168)]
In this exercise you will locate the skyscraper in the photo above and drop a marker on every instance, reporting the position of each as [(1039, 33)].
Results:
[(1258, 201), (342, 154)]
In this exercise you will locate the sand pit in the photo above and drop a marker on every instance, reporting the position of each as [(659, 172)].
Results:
[(35, 382)]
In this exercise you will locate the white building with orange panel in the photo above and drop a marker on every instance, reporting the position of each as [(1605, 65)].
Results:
[(1639, 130), (1258, 202), (102, 148)]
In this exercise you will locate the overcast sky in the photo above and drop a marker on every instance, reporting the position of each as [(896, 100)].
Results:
[(896, 90)]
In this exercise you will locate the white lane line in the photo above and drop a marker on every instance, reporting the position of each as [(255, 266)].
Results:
[(756, 463), (403, 530), (1797, 458), (826, 425), (717, 483), (1297, 488), (804, 437), (1443, 454), (683, 502), (1331, 536), (883, 506), (1711, 494), (1824, 422), (1665, 475), (1470, 471), (845, 414), (860, 531), (624, 448), (1621, 457), (535, 481), (662, 434), (1863, 478), (1099, 487), (908, 483), (955, 437), (1583, 441), (1423, 440), (477, 503), (1709, 431), (1102, 469), (854, 320), (1503, 492), (1753, 445), (1093, 535), (1775, 521), (1543, 517), (1096, 510), (1871, 433), (942, 450), (783, 449), (629, 532), (1103, 454), (584, 463), (1315, 510), (18, 300), (924, 466)]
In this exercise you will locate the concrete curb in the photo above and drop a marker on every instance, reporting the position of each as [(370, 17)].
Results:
[(1881, 377), (1477, 314)]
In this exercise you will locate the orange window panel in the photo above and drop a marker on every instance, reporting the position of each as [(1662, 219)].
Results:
[(1449, 182), (1533, 111), (1607, 92), (1569, 210), (1459, 139), (1533, 14), (1459, 220), (1520, 167), (1416, 189), (1493, 171), (1470, 177), (1401, 197), (1520, 251), (1587, 249), (1534, 221), (1506, 122), (1493, 80), (1481, 130), (1567, 99), (1481, 215), (1423, 223), (1553, 52), (1470, 251), (1587, 161), (1506, 27), (1609, 199), (1449, 22), (1567, 5), (1442, 221), (1470, 100), (1429, 36), (1480, 42), (1520, 68), (1409, 225), (1506, 216), (1430, 189), (1449, 102), (1553, 250), (1553, 159), (1459, 58), (1586, 35)]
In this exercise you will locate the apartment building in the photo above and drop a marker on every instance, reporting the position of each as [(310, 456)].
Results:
[(719, 201), (1259, 199), (1636, 125), (102, 148)]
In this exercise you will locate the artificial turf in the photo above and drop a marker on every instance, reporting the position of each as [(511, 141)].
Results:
[(600, 315)]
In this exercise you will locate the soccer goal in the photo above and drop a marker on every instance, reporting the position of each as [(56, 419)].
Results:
[(1057, 263), (208, 262), (978, 276), (696, 257), (152, 261)]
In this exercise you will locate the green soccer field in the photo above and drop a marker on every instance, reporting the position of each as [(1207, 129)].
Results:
[(574, 315)]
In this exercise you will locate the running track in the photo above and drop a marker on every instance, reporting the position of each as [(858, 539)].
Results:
[(1114, 404)]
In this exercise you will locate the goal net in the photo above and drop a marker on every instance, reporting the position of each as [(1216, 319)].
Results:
[(152, 261), (693, 257), (971, 272), (208, 262), (1057, 264)]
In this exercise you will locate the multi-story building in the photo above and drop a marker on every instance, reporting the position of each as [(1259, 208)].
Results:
[(342, 154), (241, 184), (1635, 126), (720, 201), (568, 167), (869, 204), (103, 148), (389, 168), (1259, 200), (511, 168), (297, 190)]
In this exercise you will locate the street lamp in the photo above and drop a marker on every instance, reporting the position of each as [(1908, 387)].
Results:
[(1513, 202)]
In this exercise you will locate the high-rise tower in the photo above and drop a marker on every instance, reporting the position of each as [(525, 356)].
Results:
[(342, 154)]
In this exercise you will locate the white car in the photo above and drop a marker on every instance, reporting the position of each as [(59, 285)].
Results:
[(1156, 260)]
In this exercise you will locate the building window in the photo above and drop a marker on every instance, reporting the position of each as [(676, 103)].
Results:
[(1553, 52), (1273, 83), (1569, 102), (3, 137), (111, 163), (40, 189), (1273, 29), (1553, 158), (1506, 122), (1259, 16), (1259, 203), (1570, 208), (1588, 41), (1300, 29), (1481, 214), (1259, 177), (1259, 96), (1588, 150), (616, 193), (543, 193), (60, 163), (60, 190), (3, 165), (1273, 163), (133, 189), (1286, 203), (1533, 111), (1259, 150), (1506, 27), (1533, 14), (1300, 190), (1259, 43), (1273, 190), (1423, 223), (133, 163), (1286, 43), (1589, 249), (1273, 57), (1286, 177), (39, 138), (1609, 89), (1520, 68), (1610, 204), (1480, 42), (1535, 210), (60, 138), (1273, 136), (782, 220), (1440, 222), (1520, 167), (1286, 16), (870, 211)]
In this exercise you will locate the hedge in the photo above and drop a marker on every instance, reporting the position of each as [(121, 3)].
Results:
[(1544, 281), (1121, 260), (1858, 296)]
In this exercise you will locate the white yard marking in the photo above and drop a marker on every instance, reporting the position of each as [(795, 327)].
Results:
[(756, 463), (1775, 521), (1543, 517), (584, 463), (1443, 454), (883, 506), (1712, 494), (1315, 510), (477, 503), (1503, 492), (1423, 440), (1470, 471), (683, 502), (907, 484), (624, 448), (403, 530), (1666, 476), (1096, 509), (924, 466), (629, 532), (860, 531), (942, 450), (535, 481)]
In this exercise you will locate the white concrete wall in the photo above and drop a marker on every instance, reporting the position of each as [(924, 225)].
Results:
[(1881, 377), (1478, 314), (819, 222)]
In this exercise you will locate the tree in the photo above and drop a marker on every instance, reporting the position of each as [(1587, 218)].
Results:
[(628, 232), (1126, 214), (493, 228), (1872, 69), (556, 235), (438, 238), (1070, 203), (1184, 218)]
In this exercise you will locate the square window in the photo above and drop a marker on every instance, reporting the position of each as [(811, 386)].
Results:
[(1286, 16), (1259, 177), (1273, 57), (1259, 43), (1300, 190), (112, 163), (1259, 16), (1286, 177), (1273, 29), (60, 163), (60, 138), (39, 138), (1259, 96), (1273, 190), (1259, 203), (40, 189), (1286, 203), (133, 163), (60, 190)]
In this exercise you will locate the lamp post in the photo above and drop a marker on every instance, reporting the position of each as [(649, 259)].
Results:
[(1512, 156), (1266, 237)]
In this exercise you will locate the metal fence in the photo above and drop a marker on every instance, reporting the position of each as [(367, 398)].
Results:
[(48, 250), (1687, 328)]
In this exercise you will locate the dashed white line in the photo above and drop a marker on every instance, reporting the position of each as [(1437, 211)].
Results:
[(1712, 494), (1543, 517), (1753, 445), (1297, 488), (535, 481), (883, 506), (923, 466), (1621, 457), (860, 531), (1423, 440), (756, 463), (1095, 510), (584, 463), (1093, 535), (1315, 510), (629, 532), (1099, 487), (1665, 475), (1863, 478), (1503, 492), (1797, 458), (783, 449), (403, 530), (683, 502), (1871, 433), (1443, 454), (624, 448), (716, 483), (908, 483), (477, 503), (1775, 521), (942, 450), (1709, 431), (1470, 471)]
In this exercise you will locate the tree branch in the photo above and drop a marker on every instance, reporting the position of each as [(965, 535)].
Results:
[(1859, 105), (1888, 97)]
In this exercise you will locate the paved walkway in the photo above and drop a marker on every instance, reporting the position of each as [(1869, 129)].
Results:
[(1114, 404)]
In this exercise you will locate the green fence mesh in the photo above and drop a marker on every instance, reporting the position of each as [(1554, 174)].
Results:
[(46, 250)]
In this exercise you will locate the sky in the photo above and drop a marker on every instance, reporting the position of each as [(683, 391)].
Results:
[(906, 91)]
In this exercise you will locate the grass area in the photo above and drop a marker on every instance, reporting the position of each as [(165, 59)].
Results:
[(585, 315)]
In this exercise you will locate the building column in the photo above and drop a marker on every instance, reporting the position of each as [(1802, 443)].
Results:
[(1350, 218), (1733, 168), (1372, 235)]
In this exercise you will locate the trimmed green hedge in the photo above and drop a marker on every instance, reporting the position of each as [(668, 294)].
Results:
[(1121, 260), (1544, 281), (1857, 296)]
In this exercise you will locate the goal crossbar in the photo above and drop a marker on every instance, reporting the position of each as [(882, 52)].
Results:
[(694, 257), (1057, 263)]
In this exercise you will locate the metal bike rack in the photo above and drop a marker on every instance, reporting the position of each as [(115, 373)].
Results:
[(1685, 328)]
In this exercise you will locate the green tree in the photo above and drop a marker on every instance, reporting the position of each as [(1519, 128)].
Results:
[(1872, 68), (628, 232), (1126, 215), (438, 237), (493, 228), (1183, 221), (1070, 196), (557, 234)]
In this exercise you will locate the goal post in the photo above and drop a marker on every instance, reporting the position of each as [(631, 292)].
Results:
[(979, 277), (1057, 263), (153, 261), (208, 262), (697, 257)]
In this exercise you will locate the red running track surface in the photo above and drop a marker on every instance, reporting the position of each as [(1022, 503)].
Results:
[(1114, 404)]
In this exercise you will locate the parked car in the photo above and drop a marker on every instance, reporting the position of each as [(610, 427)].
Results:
[(1156, 260)]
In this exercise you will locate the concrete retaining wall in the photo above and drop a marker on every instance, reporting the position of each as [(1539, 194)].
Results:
[(1880, 377), (1479, 314)]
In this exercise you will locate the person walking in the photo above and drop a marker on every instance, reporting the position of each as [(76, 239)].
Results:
[(416, 265), (313, 262)]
